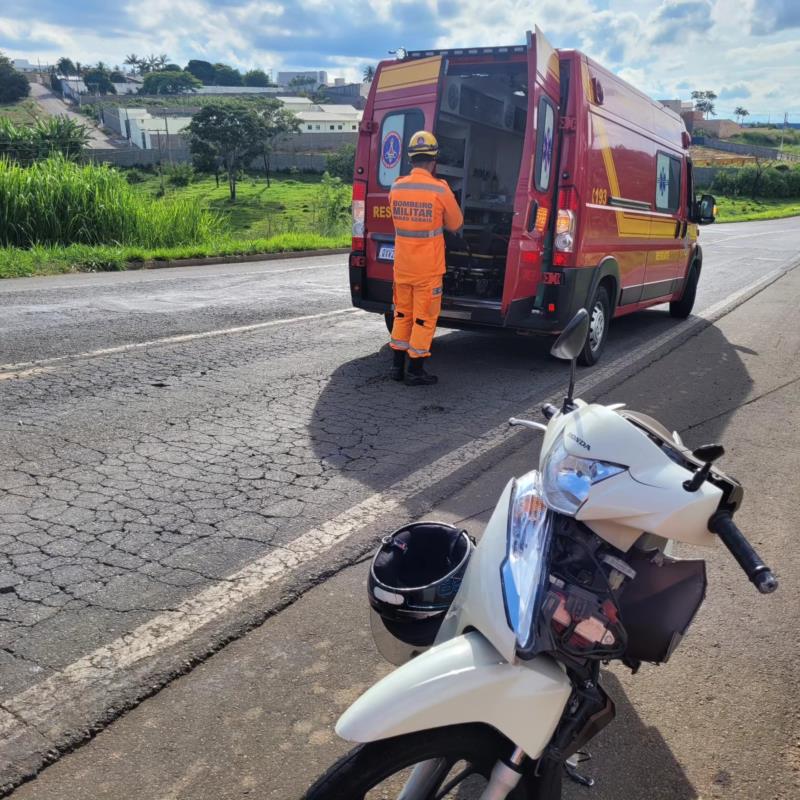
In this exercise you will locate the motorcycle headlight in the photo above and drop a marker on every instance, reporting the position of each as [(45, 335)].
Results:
[(567, 479), (525, 568)]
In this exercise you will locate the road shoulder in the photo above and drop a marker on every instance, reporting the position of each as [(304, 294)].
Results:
[(718, 721)]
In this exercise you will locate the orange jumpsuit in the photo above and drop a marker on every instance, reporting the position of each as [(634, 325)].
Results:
[(422, 206)]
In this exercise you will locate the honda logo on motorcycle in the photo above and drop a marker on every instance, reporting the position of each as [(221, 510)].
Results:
[(579, 441)]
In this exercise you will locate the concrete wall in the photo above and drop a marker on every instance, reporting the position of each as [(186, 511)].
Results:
[(720, 128), (134, 157), (745, 149), (317, 142)]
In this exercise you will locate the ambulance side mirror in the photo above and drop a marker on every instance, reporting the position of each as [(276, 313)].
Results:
[(704, 210)]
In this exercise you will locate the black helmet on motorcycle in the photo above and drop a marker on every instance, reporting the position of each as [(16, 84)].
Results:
[(413, 579)]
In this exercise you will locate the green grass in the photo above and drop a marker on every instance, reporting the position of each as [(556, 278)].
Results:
[(285, 217), (23, 112), (740, 209), (259, 212), (59, 202), (19, 263)]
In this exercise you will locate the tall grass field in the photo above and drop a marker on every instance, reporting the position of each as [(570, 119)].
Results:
[(58, 202)]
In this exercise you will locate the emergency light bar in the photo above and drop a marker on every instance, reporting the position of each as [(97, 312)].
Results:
[(467, 51)]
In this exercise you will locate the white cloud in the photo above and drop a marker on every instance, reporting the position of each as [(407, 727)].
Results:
[(664, 47)]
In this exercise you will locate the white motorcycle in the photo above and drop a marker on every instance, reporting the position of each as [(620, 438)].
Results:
[(573, 569)]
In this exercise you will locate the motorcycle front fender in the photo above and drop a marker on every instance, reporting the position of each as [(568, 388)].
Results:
[(463, 680)]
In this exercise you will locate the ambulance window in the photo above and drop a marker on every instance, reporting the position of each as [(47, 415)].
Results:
[(396, 130), (544, 144), (668, 183)]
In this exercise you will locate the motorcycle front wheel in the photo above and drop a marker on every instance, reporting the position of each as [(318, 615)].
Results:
[(465, 754)]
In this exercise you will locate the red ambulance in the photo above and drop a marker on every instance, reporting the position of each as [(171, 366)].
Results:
[(576, 189)]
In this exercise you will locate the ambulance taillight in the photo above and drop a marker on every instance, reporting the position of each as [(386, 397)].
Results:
[(566, 225), (359, 213)]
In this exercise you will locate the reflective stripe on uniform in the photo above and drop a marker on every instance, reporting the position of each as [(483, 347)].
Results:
[(419, 352), (418, 234), (426, 187), (400, 344)]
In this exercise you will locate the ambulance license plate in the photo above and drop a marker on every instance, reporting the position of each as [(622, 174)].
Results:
[(386, 252)]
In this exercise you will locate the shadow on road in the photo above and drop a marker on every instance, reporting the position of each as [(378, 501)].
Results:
[(631, 759), (378, 431)]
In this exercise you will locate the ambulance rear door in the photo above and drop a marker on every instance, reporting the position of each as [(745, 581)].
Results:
[(534, 198), (406, 99)]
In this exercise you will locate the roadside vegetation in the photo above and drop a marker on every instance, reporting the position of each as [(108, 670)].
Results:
[(59, 216), (758, 191), (742, 209), (770, 136)]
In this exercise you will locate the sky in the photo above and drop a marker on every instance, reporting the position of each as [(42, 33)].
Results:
[(748, 51)]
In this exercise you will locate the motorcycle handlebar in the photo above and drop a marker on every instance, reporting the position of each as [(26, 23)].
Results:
[(756, 570)]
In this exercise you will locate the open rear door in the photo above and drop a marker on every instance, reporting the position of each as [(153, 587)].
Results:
[(405, 100), (534, 199)]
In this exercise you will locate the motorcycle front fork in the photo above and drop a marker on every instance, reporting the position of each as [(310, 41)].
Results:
[(426, 777)]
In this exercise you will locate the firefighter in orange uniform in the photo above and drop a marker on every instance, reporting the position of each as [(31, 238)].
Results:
[(422, 207)]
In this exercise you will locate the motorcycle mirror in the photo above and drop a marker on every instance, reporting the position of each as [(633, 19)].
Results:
[(570, 343), (709, 453)]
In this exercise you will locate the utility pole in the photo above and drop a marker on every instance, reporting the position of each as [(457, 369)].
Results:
[(783, 130)]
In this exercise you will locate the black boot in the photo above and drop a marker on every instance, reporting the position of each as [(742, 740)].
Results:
[(416, 375), (397, 372)]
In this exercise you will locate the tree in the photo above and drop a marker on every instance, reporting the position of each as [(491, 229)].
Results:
[(303, 84), (13, 85), (168, 82), (116, 76), (172, 68), (202, 70), (225, 75), (741, 113), (274, 122), (97, 80), (232, 133), (256, 77), (64, 66), (369, 74), (206, 158), (135, 63), (704, 102)]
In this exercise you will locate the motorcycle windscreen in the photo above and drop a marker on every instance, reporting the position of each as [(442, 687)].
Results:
[(659, 604)]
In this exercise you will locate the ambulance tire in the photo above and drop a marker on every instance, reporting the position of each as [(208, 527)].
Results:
[(680, 309), (388, 318), (599, 320)]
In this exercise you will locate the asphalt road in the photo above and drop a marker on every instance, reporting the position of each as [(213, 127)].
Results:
[(235, 408), (719, 720), (56, 107)]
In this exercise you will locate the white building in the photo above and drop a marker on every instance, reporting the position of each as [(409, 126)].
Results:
[(330, 119), (320, 77), (23, 65), (273, 90), (154, 133)]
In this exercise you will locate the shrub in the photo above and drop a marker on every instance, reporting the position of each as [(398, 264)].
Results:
[(331, 206), (342, 163), (134, 176), (180, 174)]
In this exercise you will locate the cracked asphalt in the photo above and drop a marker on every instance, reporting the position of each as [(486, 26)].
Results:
[(133, 479)]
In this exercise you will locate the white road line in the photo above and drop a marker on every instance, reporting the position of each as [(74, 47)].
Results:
[(99, 672), (148, 276), (725, 239), (23, 369)]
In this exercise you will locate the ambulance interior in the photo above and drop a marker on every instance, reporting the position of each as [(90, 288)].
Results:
[(481, 129)]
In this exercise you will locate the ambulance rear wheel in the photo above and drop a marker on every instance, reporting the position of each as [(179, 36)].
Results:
[(680, 309), (599, 320), (388, 318)]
